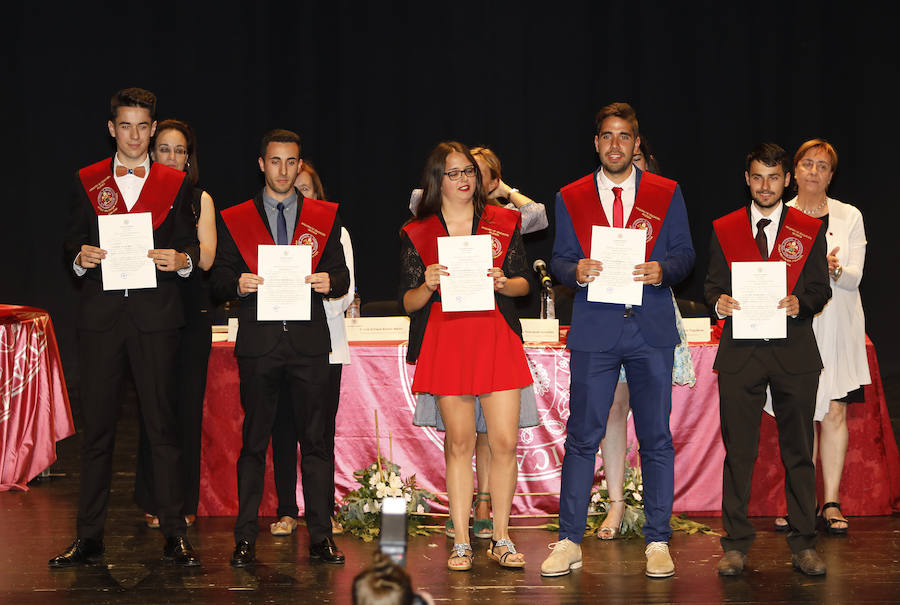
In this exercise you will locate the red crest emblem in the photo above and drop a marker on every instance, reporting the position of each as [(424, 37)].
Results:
[(791, 249), (308, 239), (107, 199), (496, 247), (645, 225)]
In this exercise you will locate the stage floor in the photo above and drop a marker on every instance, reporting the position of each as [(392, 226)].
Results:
[(35, 525)]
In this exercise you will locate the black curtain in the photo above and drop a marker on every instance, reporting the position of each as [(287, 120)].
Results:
[(371, 87)]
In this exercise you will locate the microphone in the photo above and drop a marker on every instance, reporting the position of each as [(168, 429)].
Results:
[(540, 267)]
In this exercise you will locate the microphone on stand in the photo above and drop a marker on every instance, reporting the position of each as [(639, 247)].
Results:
[(540, 267)]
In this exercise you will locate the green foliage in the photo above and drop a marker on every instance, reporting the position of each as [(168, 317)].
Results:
[(360, 514)]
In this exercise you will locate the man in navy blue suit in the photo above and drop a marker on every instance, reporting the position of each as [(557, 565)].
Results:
[(606, 336)]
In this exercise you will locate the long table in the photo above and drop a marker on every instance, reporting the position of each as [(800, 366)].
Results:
[(379, 379)]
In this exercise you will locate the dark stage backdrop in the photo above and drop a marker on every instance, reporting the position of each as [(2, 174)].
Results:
[(371, 87)]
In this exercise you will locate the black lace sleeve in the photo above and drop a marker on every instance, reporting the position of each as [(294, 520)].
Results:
[(516, 262), (412, 269)]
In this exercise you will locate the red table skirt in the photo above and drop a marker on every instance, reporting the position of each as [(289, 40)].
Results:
[(34, 402), (379, 378)]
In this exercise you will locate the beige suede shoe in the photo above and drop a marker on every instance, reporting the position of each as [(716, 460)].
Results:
[(565, 557), (659, 561)]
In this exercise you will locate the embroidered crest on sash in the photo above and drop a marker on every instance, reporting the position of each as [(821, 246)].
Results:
[(644, 224), (107, 199), (308, 239), (791, 249), (496, 247)]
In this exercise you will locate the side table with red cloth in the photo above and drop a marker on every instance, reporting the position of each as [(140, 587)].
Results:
[(378, 377), (34, 402)]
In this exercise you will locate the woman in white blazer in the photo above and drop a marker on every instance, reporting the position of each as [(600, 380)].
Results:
[(840, 327)]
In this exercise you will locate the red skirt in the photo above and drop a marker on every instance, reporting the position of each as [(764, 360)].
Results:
[(469, 353)]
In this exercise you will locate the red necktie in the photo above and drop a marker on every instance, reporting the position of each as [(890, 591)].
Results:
[(139, 172), (617, 207)]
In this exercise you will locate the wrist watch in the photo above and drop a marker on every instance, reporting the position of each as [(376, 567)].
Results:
[(837, 272)]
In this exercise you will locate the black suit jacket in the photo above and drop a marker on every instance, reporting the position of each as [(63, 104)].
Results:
[(798, 353), (151, 309), (257, 338)]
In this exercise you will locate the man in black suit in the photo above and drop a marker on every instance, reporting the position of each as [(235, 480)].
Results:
[(137, 327), (789, 367), (276, 354)]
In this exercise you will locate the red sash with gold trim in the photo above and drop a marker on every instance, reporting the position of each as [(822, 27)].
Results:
[(157, 194), (795, 240), (651, 203), (499, 223), (249, 231)]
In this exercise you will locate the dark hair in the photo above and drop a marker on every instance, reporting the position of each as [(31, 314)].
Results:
[(617, 110), (318, 189), (769, 154), (649, 159), (490, 158), (433, 176), (385, 583), (279, 135), (813, 144), (192, 167), (132, 97)]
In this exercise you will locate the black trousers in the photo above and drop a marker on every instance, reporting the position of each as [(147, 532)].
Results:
[(191, 366), (306, 379), (284, 444), (103, 358), (741, 399)]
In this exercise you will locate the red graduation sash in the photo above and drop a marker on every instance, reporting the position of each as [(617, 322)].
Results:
[(249, 231), (795, 240), (157, 194), (651, 203), (498, 222)]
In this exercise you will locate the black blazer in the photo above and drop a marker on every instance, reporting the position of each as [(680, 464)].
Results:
[(798, 353), (151, 309), (257, 338)]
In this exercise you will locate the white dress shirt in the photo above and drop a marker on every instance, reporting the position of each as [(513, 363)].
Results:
[(607, 197), (771, 229)]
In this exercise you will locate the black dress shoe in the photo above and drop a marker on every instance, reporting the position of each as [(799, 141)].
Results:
[(181, 552), (244, 554), (809, 562), (82, 550), (326, 551), (732, 563)]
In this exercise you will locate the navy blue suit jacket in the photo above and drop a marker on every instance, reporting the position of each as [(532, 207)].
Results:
[(598, 326)]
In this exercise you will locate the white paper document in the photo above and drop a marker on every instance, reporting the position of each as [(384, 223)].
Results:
[(758, 286), (620, 250), (284, 294), (127, 238), (468, 259)]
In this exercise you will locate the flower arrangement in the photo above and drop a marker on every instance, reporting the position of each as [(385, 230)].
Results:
[(360, 512)]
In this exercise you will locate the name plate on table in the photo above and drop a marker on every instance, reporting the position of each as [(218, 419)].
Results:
[(219, 333), (540, 330), (697, 329), (375, 329)]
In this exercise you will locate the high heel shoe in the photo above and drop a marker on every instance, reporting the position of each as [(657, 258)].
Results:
[(611, 532)]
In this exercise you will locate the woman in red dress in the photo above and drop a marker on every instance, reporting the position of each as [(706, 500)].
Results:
[(463, 354)]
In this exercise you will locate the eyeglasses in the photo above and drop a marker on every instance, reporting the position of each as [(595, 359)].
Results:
[(456, 173), (176, 151), (820, 166)]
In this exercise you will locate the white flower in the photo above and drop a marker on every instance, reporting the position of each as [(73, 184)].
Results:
[(595, 498), (395, 482), (407, 496), (373, 480), (374, 466), (366, 507), (603, 484), (377, 505), (395, 492), (641, 487), (381, 491), (629, 486), (637, 496), (420, 509)]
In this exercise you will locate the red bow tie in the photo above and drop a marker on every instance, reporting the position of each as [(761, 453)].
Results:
[(139, 172)]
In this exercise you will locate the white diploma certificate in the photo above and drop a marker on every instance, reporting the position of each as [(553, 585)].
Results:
[(620, 250), (127, 238), (758, 286), (468, 259), (284, 294)]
